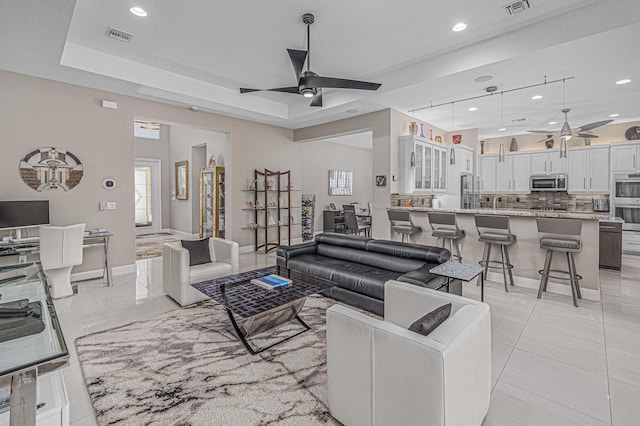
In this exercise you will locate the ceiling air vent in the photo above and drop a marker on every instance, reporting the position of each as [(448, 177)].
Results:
[(517, 7), (119, 35)]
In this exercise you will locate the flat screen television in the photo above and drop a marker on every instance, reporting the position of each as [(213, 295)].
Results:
[(23, 214)]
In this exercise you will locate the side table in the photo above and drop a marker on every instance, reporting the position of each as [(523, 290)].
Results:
[(460, 271)]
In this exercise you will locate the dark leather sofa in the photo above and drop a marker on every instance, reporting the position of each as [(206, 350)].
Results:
[(361, 266)]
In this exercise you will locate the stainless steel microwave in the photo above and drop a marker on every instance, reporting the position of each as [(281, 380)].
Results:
[(556, 182)]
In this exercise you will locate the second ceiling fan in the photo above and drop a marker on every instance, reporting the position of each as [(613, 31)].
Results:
[(310, 84)]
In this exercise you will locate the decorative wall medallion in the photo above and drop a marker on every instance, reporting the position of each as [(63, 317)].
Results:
[(51, 168)]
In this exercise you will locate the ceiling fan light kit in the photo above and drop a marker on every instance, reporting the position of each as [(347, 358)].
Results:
[(310, 84)]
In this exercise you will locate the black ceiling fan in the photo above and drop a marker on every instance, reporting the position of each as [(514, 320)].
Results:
[(310, 84)]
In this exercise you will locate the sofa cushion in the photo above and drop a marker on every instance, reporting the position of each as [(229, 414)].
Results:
[(411, 251), (198, 251), (420, 276), (356, 277), (207, 271), (342, 240), (378, 260), (431, 321)]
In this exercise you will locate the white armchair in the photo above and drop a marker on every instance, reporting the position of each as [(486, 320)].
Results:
[(380, 373), (60, 251), (178, 276)]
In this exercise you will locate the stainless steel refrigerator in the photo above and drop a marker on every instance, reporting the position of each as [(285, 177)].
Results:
[(469, 191)]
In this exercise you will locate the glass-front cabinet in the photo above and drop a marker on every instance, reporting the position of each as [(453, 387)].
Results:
[(422, 165), (212, 202)]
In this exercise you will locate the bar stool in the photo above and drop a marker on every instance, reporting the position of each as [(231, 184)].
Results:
[(402, 224), (560, 235), (445, 227), (495, 230)]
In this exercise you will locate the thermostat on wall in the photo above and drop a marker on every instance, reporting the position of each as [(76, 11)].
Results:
[(109, 183)]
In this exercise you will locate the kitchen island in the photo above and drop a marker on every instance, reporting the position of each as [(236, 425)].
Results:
[(526, 255)]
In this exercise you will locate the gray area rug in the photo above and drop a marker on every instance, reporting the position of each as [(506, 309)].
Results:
[(186, 367)]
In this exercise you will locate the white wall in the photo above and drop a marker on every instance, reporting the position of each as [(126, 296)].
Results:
[(318, 158)]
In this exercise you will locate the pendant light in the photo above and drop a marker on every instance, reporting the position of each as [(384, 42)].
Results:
[(452, 154), (565, 132), (501, 148)]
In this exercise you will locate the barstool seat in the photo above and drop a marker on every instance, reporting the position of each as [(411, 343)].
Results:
[(560, 235), (560, 244), (495, 230), (492, 237), (448, 233), (444, 226), (402, 224)]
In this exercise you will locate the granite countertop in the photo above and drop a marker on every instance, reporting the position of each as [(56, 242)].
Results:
[(512, 212)]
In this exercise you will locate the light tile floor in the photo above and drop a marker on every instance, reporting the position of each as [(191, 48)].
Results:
[(552, 363)]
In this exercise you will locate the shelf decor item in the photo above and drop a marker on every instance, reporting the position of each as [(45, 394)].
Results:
[(422, 130), (439, 139), (413, 128), (514, 145), (456, 139)]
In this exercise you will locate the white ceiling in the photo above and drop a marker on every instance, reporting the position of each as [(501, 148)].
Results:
[(197, 52)]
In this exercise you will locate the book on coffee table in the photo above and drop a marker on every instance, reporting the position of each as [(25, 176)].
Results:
[(271, 281)]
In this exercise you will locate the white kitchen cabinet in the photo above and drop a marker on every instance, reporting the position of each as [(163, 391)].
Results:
[(487, 167), (548, 162), (512, 174), (464, 158), (588, 170), (422, 166), (521, 174), (625, 157)]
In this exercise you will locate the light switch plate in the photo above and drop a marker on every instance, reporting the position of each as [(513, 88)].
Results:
[(102, 205), (111, 205)]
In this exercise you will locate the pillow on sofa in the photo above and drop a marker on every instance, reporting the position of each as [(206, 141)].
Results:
[(431, 321), (198, 251)]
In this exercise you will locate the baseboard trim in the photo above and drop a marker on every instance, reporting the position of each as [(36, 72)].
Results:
[(552, 287), (97, 273)]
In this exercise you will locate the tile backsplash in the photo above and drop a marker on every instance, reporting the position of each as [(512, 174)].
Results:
[(537, 200), (398, 200)]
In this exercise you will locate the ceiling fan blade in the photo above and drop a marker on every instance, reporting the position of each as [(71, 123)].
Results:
[(316, 101), (546, 132), (587, 136), (548, 138), (337, 83), (298, 57), (279, 89), (594, 125)]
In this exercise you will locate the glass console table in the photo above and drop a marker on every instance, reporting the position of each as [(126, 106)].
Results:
[(24, 358)]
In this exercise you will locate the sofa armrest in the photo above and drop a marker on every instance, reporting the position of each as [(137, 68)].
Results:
[(225, 251), (285, 253)]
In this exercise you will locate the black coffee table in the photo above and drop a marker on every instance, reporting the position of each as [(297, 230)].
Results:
[(253, 309)]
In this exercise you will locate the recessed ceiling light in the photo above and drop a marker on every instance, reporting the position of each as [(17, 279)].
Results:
[(351, 111), (483, 78), (536, 97), (138, 11), (614, 115), (625, 81), (552, 122), (194, 108), (473, 109), (460, 26), (502, 129)]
